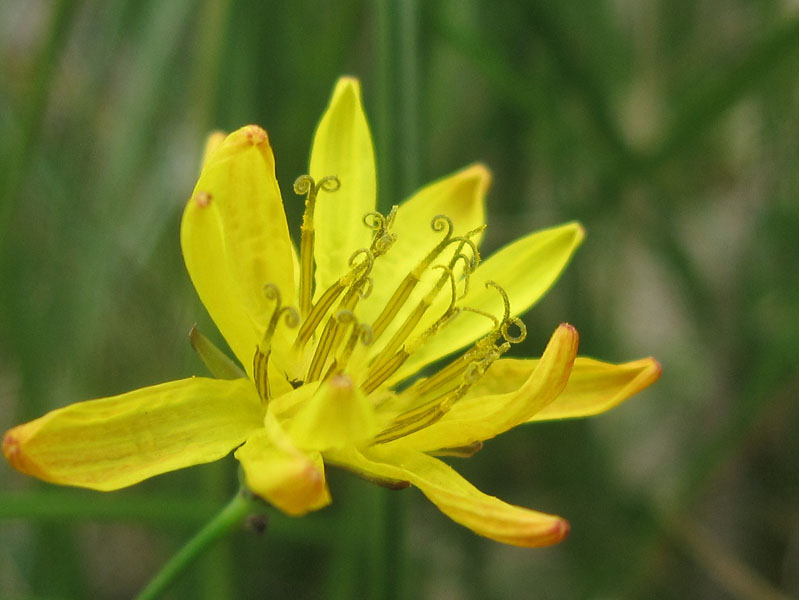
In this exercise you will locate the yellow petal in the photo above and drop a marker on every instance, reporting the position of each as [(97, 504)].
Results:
[(337, 415), (342, 146), (526, 269), (461, 197), (278, 472), (474, 419), (235, 239), (457, 498), (115, 442), (595, 387)]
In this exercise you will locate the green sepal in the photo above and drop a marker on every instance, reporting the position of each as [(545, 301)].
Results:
[(220, 365)]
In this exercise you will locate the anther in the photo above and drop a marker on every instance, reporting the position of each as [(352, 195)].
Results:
[(427, 413), (413, 319), (358, 285), (262, 352), (406, 287), (390, 359), (305, 184), (448, 374), (360, 331), (357, 275), (460, 451), (400, 296), (416, 419)]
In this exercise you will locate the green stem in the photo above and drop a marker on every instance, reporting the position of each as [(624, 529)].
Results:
[(398, 150), (223, 523)]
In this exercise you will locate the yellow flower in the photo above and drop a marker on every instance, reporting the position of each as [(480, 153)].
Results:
[(330, 382)]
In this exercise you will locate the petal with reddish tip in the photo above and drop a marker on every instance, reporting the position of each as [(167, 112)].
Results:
[(115, 442), (455, 497), (593, 387), (235, 239), (277, 471), (596, 386), (474, 419)]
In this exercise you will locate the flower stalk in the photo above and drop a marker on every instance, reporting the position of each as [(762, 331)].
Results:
[(228, 519)]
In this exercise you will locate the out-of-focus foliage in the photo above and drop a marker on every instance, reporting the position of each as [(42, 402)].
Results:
[(669, 128)]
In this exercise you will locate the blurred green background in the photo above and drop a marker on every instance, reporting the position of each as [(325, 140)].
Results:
[(669, 128)]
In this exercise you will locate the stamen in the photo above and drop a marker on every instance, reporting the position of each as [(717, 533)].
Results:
[(411, 280), (458, 366), (262, 352), (469, 367), (428, 413), (322, 351), (359, 273), (400, 430), (408, 284), (332, 332), (380, 372), (305, 184), (431, 411), (413, 319), (360, 331), (318, 312), (383, 371), (460, 451)]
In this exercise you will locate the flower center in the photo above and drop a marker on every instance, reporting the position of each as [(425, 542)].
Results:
[(329, 329)]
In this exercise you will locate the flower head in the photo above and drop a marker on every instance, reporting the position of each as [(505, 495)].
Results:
[(332, 339)]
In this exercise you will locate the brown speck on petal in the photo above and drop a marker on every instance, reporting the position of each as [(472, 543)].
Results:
[(202, 199)]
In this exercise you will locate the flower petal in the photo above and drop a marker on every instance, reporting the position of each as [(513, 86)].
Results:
[(474, 419), (457, 498), (337, 415), (277, 471), (526, 269), (461, 197), (115, 442), (595, 387), (342, 146), (235, 239)]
